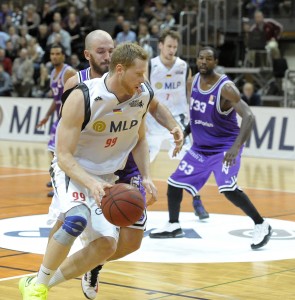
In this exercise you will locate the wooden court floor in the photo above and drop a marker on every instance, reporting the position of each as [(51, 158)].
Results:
[(269, 183)]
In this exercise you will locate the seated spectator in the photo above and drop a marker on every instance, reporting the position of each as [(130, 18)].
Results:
[(11, 52), (46, 14), (126, 35), (4, 37), (42, 35), (272, 30), (8, 23), (65, 37), (118, 26), (5, 82), (22, 74), (13, 37), (249, 95), (4, 12), (72, 26), (32, 19), (86, 21), (5, 61), (24, 32), (17, 16), (35, 53), (76, 63)]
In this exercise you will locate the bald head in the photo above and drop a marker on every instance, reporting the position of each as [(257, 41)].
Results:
[(96, 38), (99, 47)]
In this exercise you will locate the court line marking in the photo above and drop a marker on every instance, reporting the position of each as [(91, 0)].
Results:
[(24, 174)]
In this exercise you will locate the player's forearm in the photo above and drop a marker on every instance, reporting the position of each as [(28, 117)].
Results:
[(142, 158), (164, 117), (245, 129), (70, 166)]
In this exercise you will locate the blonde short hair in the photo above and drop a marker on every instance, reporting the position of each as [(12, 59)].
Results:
[(125, 54)]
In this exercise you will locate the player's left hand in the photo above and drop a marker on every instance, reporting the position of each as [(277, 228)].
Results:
[(230, 156), (178, 139), (150, 189)]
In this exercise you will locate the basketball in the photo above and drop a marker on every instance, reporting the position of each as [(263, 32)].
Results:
[(122, 205)]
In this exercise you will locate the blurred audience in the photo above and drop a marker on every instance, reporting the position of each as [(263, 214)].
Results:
[(5, 82), (5, 61), (32, 19), (250, 96), (272, 31), (22, 74), (127, 35)]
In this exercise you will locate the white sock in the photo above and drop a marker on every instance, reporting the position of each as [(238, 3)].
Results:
[(44, 275), (56, 278)]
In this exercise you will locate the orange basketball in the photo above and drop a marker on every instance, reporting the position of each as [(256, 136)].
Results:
[(122, 205)]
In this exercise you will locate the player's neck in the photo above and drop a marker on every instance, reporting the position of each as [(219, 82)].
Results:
[(58, 68), (167, 62), (118, 91), (94, 74)]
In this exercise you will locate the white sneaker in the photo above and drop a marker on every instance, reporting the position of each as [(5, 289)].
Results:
[(170, 230), (89, 283), (261, 235)]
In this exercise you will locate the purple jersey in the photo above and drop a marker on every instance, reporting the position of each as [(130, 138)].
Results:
[(57, 86), (212, 129), (84, 75)]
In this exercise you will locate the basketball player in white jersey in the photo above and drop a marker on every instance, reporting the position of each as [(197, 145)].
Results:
[(171, 79), (90, 146), (99, 46)]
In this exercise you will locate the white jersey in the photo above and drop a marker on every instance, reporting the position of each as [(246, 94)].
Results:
[(169, 85), (110, 129)]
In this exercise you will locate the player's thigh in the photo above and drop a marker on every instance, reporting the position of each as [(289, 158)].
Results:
[(225, 176), (191, 173)]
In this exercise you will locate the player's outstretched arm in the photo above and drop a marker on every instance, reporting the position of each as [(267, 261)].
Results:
[(142, 159), (232, 94), (164, 117), (68, 133)]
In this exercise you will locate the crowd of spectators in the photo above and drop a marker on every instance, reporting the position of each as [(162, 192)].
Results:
[(26, 34)]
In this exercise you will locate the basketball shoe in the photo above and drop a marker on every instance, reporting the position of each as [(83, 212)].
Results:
[(170, 230), (32, 291), (89, 283), (200, 211), (261, 235)]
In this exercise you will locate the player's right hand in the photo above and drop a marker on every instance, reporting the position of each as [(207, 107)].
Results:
[(178, 140), (98, 191)]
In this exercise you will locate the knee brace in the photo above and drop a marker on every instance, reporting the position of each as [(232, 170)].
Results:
[(74, 224)]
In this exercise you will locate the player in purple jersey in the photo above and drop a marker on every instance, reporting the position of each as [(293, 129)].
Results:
[(59, 75), (99, 46), (217, 147)]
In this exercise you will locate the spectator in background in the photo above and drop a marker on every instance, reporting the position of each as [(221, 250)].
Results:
[(8, 23), (72, 26), (46, 14), (42, 35), (65, 38), (118, 26), (22, 74), (4, 37), (272, 30), (24, 32), (5, 11), (86, 21), (5, 82), (35, 53), (76, 63), (31, 19), (17, 16), (250, 96), (127, 35), (11, 52), (13, 37), (5, 61)]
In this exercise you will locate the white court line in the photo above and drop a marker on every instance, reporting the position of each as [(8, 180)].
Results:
[(24, 174), (15, 277)]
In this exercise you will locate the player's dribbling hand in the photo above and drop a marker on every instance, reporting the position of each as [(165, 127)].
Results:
[(97, 191), (178, 139), (150, 189)]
